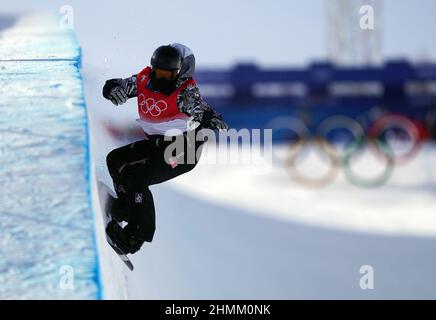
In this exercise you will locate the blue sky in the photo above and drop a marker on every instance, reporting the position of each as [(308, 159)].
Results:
[(278, 32)]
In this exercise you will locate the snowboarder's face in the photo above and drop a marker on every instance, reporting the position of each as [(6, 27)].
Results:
[(163, 80)]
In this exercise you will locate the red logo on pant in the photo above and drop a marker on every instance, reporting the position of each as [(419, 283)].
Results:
[(173, 162)]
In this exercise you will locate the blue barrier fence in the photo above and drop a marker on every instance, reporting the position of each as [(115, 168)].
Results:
[(249, 96)]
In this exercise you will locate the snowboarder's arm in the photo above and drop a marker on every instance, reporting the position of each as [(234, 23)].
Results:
[(119, 90), (191, 103)]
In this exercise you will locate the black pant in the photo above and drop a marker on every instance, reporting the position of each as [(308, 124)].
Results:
[(138, 165)]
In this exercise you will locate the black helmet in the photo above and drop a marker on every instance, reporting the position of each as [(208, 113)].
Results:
[(167, 58)]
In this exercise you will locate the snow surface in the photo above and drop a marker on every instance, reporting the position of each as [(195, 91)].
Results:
[(225, 234), (46, 225), (404, 205)]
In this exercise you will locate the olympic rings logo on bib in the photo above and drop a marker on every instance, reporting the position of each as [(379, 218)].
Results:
[(151, 106), (373, 138)]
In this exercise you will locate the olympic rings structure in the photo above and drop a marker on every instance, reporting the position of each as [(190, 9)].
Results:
[(374, 138)]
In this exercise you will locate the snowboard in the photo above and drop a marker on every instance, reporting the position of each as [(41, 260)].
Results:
[(104, 195)]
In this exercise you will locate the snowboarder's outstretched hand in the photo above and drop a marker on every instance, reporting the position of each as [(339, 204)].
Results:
[(118, 96), (120, 90)]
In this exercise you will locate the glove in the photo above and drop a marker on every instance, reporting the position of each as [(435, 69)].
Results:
[(118, 95), (212, 120), (218, 123)]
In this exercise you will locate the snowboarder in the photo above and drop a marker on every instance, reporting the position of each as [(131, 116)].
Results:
[(168, 98)]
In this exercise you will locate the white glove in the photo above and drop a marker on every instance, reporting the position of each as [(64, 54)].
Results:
[(118, 96)]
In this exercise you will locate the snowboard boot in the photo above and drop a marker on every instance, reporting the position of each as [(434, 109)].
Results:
[(121, 238), (117, 210)]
